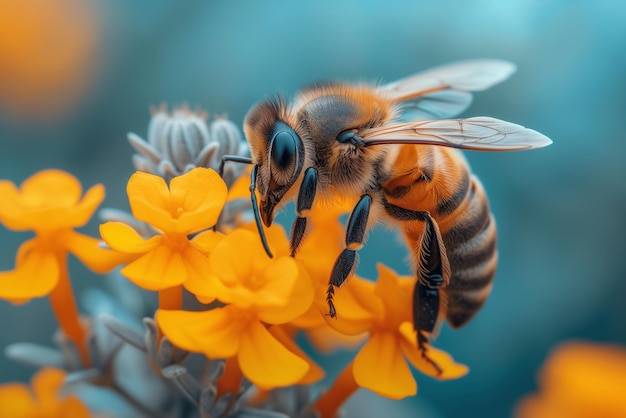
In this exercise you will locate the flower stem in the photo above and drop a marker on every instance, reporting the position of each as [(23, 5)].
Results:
[(230, 380), (64, 307), (344, 386), (171, 298)]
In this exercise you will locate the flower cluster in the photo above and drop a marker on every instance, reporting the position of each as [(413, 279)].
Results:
[(228, 316)]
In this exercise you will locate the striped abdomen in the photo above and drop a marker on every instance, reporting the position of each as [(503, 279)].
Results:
[(438, 180), (471, 247)]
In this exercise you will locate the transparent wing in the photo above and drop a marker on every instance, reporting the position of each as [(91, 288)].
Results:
[(444, 91), (438, 105), (480, 133)]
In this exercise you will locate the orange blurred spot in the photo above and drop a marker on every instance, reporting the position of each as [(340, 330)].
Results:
[(48, 53), (579, 380)]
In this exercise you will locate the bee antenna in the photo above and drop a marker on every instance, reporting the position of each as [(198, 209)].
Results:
[(255, 210)]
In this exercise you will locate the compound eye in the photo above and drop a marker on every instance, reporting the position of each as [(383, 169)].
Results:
[(284, 148)]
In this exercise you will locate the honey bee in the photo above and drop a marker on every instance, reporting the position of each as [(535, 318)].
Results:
[(387, 148)]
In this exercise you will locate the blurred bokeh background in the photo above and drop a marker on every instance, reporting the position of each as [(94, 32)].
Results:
[(77, 76)]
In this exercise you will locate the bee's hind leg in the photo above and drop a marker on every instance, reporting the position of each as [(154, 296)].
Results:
[(346, 262), (433, 271)]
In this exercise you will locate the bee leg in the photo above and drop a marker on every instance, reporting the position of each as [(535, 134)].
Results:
[(233, 158), (255, 205), (431, 272), (355, 235), (306, 195), (426, 294)]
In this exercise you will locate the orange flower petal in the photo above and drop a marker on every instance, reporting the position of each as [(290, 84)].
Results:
[(241, 188), (216, 333), (285, 294), (47, 382), (201, 193), (148, 196), (315, 373), (16, 400), (90, 252), (11, 211), (47, 201), (580, 379), (197, 273), (397, 301), (450, 369), (88, 205), (123, 238), (327, 340), (380, 367), (266, 362), (238, 256), (53, 188), (357, 307), (207, 240), (158, 269), (275, 235), (73, 407), (36, 274)]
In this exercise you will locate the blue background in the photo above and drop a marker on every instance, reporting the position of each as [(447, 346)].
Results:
[(560, 210)]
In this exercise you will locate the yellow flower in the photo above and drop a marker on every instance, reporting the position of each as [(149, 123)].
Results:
[(580, 380), (259, 292), (42, 400), (50, 204), (384, 310), (188, 207)]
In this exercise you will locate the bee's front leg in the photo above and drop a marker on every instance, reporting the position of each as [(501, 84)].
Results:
[(346, 262), (306, 195)]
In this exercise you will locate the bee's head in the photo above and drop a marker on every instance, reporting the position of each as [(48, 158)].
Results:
[(278, 152)]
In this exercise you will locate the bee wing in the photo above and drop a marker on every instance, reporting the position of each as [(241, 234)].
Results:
[(445, 91), (480, 133)]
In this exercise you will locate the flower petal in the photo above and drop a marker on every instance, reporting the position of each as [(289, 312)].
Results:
[(266, 362), (53, 188), (381, 367), (84, 210), (89, 251), (315, 373), (73, 407), (241, 188), (238, 256), (122, 237), (47, 383), (216, 333), (11, 211), (157, 269), (47, 201), (16, 400), (326, 340), (35, 275), (450, 369), (148, 196), (207, 240), (357, 307), (198, 273), (397, 302), (286, 293), (201, 193)]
